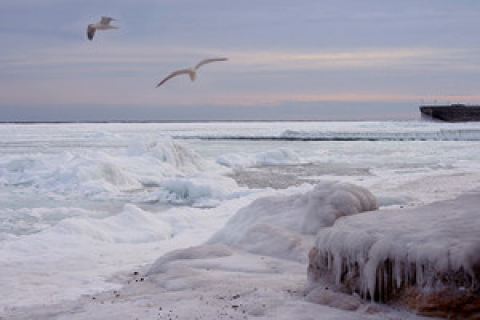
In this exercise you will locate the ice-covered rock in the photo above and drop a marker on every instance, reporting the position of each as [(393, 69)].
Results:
[(381, 254)]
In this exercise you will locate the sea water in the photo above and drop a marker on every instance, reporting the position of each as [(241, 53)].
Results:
[(82, 201)]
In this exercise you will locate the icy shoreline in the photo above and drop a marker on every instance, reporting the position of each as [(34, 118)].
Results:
[(87, 210), (240, 275)]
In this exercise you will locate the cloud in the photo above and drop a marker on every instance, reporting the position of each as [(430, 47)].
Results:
[(351, 59), (105, 73), (279, 52), (108, 58)]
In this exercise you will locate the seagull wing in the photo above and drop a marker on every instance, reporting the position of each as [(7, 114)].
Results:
[(90, 31), (106, 20), (201, 63), (173, 74)]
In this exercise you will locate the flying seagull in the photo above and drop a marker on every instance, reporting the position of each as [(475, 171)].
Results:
[(104, 24), (192, 72)]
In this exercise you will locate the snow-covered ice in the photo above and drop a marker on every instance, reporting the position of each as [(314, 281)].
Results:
[(274, 224), (215, 220)]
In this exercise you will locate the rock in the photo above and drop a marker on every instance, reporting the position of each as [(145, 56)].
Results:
[(450, 304), (334, 299)]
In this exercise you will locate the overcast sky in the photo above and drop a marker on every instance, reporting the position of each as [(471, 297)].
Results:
[(304, 59)]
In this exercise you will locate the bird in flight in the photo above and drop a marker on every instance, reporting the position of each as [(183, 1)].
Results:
[(104, 24), (192, 72)]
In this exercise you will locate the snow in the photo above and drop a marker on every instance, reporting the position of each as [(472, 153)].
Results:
[(132, 225), (302, 214), (99, 221)]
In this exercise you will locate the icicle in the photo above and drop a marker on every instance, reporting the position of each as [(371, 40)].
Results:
[(419, 278), (398, 274), (337, 268)]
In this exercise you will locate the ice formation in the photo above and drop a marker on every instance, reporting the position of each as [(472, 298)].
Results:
[(191, 253), (168, 151), (197, 188), (399, 135), (382, 252), (132, 225), (275, 225), (269, 157), (145, 162), (68, 173)]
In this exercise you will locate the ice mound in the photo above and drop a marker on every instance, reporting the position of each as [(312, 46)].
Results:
[(201, 188), (69, 173), (169, 151), (96, 176), (269, 157), (278, 225), (191, 253), (132, 225), (145, 163), (415, 252), (18, 222)]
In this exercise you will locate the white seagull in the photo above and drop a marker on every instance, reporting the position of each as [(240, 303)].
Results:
[(104, 24), (192, 72)]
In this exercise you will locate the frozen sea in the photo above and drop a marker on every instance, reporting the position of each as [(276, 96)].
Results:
[(87, 208)]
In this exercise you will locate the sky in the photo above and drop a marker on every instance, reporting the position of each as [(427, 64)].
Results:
[(288, 60)]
